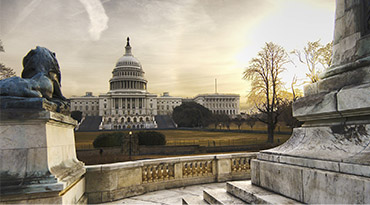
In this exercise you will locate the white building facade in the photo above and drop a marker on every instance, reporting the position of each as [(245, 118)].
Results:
[(88, 104), (166, 104), (228, 104), (128, 103)]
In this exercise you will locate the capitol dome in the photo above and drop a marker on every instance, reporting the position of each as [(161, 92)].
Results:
[(128, 75), (128, 59)]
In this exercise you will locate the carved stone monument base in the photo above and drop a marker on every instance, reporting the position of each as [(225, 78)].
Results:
[(37, 153), (328, 159), (319, 165)]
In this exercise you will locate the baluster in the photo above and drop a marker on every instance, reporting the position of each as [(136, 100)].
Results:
[(191, 167), (171, 172), (145, 171), (150, 173), (233, 165), (184, 169), (154, 173)]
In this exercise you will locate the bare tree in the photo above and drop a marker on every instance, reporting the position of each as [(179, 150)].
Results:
[(264, 71), (5, 72), (312, 55), (238, 121)]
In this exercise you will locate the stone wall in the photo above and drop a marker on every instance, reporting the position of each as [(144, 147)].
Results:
[(112, 182)]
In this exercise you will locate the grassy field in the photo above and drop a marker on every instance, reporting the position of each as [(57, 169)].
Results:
[(190, 137)]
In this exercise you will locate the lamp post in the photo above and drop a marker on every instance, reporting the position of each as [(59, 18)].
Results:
[(130, 142)]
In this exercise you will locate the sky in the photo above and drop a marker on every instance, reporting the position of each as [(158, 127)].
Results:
[(183, 45)]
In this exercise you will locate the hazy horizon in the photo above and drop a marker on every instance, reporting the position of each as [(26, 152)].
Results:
[(182, 45)]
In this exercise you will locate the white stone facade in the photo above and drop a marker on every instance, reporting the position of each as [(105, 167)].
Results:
[(166, 104), (88, 104), (228, 104), (128, 103)]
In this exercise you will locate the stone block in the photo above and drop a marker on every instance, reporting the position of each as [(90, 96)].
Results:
[(13, 165), (129, 177), (310, 163), (283, 179), (255, 172), (354, 98), (314, 105), (75, 193), (94, 198), (344, 51), (339, 12), (332, 188), (178, 170), (37, 165), (224, 169), (21, 135), (355, 169), (101, 181), (366, 192)]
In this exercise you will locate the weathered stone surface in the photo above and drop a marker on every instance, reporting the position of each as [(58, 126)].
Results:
[(333, 188), (219, 196), (323, 104), (129, 177), (38, 158), (252, 194), (280, 178), (355, 98), (337, 143)]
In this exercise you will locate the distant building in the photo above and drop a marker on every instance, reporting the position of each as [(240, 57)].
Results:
[(128, 104), (166, 104), (88, 104), (228, 104)]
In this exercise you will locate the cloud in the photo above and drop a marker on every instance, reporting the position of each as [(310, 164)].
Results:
[(98, 17)]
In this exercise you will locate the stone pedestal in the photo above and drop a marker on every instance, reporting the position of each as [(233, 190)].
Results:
[(328, 159), (38, 157)]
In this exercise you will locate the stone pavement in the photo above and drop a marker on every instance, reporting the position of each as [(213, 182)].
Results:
[(170, 196)]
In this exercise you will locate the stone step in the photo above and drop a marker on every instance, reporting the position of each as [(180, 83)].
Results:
[(193, 200), (220, 196), (253, 194)]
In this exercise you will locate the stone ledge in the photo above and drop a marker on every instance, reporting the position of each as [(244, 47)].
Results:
[(25, 116), (193, 200), (311, 185), (253, 194), (219, 196), (338, 144)]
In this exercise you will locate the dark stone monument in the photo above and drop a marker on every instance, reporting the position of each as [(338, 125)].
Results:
[(37, 148)]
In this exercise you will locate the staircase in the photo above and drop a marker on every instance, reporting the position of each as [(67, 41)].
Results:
[(239, 192), (90, 123), (164, 122)]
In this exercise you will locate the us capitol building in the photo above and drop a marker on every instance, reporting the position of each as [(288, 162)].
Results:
[(128, 104)]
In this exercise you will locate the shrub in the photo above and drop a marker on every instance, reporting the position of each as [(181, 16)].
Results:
[(109, 140), (77, 115), (151, 138), (192, 114)]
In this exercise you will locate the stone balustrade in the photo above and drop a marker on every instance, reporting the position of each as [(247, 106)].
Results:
[(109, 182)]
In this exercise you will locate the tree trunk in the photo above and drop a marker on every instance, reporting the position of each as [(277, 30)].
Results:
[(270, 129)]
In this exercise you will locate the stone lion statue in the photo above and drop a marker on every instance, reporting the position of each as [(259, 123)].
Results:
[(40, 78)]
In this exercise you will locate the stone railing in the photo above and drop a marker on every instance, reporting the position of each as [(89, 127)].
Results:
[(109, 182)]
